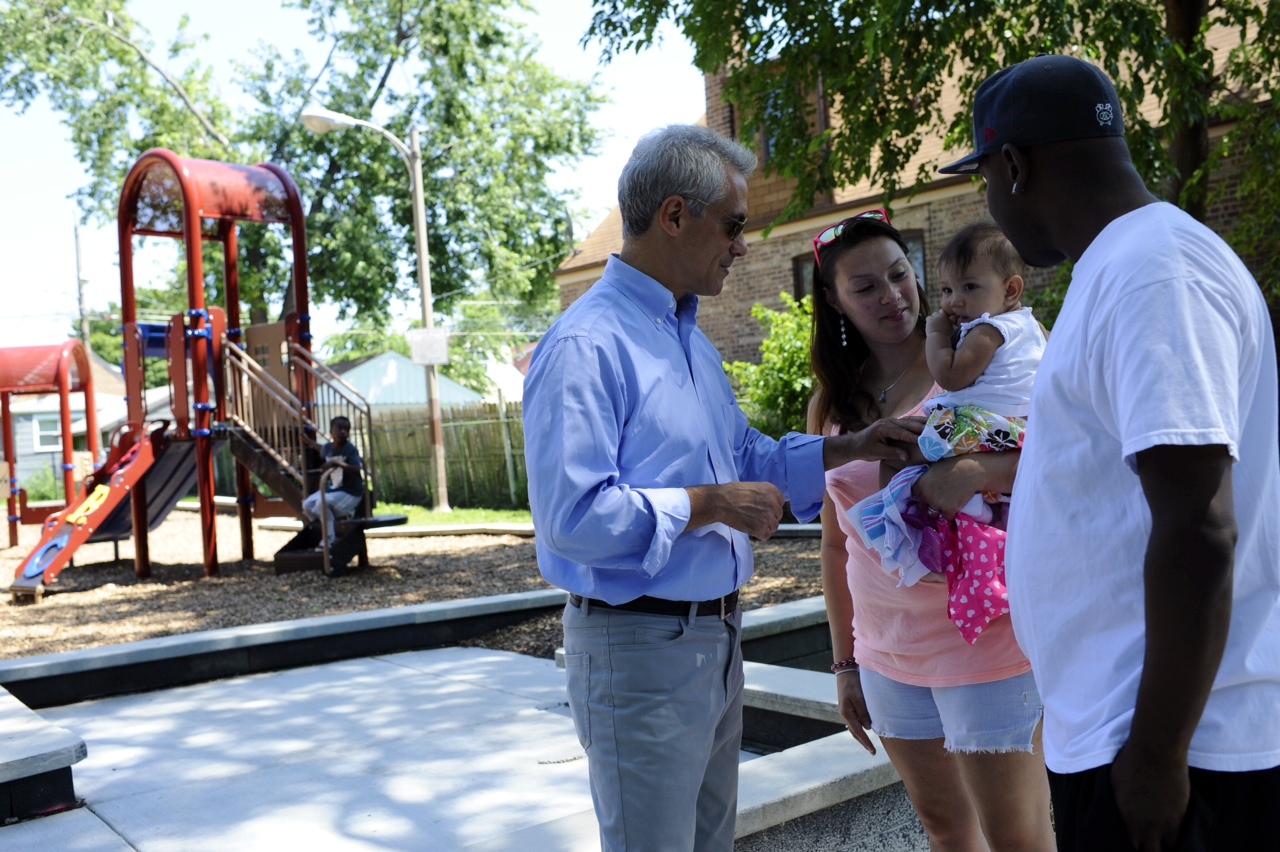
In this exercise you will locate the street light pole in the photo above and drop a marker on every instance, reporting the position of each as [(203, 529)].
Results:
[(428, 316), (320, 120)]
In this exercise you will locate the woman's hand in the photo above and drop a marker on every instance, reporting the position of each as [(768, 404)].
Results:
[(853, 707), (889, 439), (948, 484)]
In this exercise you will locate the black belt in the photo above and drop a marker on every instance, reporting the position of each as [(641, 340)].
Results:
[(723, 607)]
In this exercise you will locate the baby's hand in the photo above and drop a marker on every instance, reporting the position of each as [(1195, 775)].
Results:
[(938, 322)]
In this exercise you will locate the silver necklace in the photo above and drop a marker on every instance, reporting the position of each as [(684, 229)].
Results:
[(884, 394)]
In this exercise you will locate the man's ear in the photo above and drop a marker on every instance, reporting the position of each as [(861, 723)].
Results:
[(1013, 287), (1014, 162), (672, 214)]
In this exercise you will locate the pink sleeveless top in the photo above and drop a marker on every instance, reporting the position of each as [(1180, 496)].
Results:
[(905, 633)]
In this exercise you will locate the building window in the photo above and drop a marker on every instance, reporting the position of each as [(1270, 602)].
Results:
[(915, 254), (46, 430), (802, 266), (802, 275)]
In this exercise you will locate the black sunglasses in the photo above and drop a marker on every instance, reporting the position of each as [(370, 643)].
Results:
[(733, 228)]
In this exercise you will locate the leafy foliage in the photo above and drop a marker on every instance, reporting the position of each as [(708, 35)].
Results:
[(881, 68), (95, 64), (1046, 302), (364, 338), (106, 336), (496, 124), (43, 484), (486, 330), (1259, 187), (775, 393)]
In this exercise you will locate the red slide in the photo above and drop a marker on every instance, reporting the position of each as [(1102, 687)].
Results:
[(74, 525)]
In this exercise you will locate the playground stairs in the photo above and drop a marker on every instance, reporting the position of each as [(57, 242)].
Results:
[(278, 439), (261, 462), (304, 553)]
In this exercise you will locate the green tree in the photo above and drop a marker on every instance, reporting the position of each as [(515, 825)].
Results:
[(775, 393), (481, 330), (496, 123), (487, 328), (364, 338), (106, 338), (98, 67), (881, 68)]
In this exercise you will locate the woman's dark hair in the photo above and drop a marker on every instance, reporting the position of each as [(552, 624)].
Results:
[(838, 367)]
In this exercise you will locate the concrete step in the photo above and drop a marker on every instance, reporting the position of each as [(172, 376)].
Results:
[(35, 763)]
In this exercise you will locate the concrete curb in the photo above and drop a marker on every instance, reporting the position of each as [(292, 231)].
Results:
[(56, 679), (224, 504)]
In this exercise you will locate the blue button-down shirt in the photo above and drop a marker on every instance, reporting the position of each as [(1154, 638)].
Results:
[(626, 405)]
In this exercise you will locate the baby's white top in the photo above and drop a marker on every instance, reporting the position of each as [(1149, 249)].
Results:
[(1004, 388)]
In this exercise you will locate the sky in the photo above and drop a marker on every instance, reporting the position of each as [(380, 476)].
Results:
[(38, 301)]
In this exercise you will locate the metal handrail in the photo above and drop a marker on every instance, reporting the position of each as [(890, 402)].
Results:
[(269, 413), (333, 397), (331, 378)]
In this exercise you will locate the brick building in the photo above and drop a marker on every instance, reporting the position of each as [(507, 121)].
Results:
[(782, 262)]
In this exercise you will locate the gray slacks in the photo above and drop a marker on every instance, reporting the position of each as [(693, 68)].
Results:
[(657, 704)]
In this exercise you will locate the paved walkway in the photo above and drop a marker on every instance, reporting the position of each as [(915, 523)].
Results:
[(449, 748), (357, 755)]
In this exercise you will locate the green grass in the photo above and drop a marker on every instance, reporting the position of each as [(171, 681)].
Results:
[(420, 516)]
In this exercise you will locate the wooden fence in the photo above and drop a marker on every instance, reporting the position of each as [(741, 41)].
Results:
[(483, 449)]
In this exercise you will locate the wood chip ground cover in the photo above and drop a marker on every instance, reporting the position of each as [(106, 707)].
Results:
[(99, 601)]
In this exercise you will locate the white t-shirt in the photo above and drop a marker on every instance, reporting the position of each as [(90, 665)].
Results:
[(1163, 340), (1004, 387)]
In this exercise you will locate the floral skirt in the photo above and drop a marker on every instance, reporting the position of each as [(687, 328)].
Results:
[(969, 429)]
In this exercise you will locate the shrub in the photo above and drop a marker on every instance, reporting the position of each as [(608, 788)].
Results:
[(775, 393), (1046, 303), (43, 484)]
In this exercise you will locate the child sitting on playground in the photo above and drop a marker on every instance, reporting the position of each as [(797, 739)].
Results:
[(986, 375), (340, 477)]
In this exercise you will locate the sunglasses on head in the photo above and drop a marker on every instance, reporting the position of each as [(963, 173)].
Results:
[(733, 228), (830, 235)]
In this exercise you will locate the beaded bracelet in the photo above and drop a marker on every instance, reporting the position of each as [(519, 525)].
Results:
[(849, 665)]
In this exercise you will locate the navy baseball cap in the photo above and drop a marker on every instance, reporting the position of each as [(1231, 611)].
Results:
[(1042, 100)]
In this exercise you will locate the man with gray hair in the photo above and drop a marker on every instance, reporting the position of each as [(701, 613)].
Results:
[(647, 484)]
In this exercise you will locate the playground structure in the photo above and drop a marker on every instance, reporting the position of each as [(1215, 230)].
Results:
[(257, 388), (62, 369)]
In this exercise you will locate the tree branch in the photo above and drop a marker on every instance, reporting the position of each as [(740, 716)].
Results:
[(88, 23), (323, 68), (382, 83)]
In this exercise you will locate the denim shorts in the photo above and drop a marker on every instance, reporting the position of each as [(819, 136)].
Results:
[(1000, 716)]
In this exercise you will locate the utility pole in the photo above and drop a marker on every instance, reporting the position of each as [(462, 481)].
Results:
[(84, 317), (428, 319)]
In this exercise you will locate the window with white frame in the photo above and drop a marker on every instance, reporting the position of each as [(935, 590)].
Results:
[(46, 431)]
